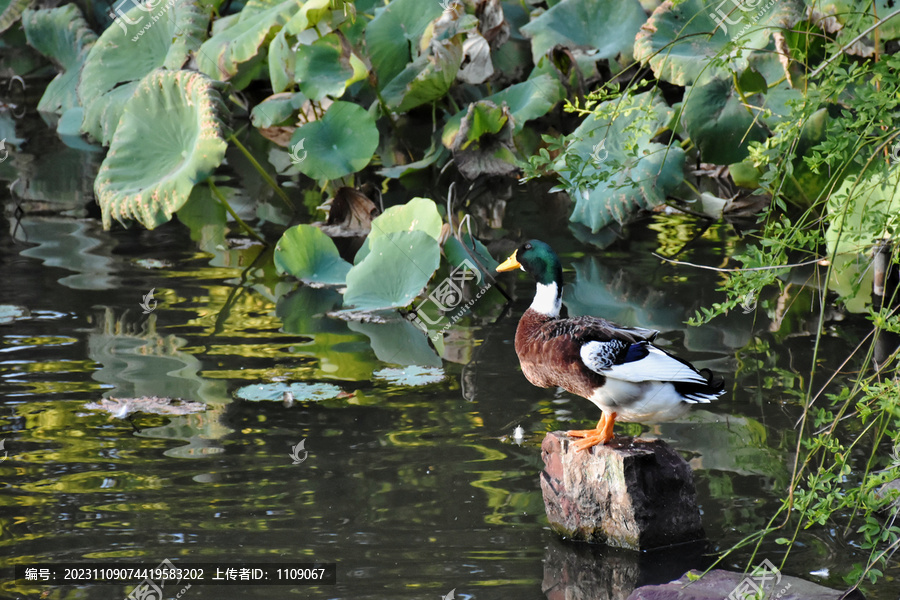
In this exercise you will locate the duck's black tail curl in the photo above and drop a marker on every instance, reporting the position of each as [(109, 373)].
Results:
[(701, 392)]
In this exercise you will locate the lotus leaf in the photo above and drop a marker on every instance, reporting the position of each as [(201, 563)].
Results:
[(689, 42), (281, 63), (327, 66), (310, 256), (483, 145), (457, 254), (528, 100), (340, 143), (845, 10), (277, 109), (427, 78), (252, 8), (170, 138), (207, 221), (411, 376), (607, 27), (301, 392), (862, 211), (419, 214), (63, 36), (243, 44), (395, 271), (11, 312), (134, 46), (316, 11), (718, 122), (745, 174), (224, 54), (68, 128), (614, 148), (752, 81), (10, 11), (395, 28)]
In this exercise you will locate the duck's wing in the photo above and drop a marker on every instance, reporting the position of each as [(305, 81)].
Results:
[(623, 353), (587, 329), (637, 363)]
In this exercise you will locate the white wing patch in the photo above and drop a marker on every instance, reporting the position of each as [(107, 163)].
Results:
[(656, 366)]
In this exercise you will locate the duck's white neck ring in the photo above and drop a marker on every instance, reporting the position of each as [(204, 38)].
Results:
[(547, 299)]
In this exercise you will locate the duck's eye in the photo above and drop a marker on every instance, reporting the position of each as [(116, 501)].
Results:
[(528, 246)]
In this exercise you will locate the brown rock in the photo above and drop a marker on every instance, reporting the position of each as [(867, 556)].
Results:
[(630, 493)]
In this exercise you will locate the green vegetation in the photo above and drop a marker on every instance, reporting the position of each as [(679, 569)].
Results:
[(792, 104)]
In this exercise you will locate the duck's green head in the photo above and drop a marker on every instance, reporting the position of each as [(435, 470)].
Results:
[(538, 260)]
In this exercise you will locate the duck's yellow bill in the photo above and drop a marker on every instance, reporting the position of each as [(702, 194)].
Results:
[(509, 264)]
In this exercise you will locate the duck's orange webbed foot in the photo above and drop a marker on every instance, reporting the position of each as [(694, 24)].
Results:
[(592, 437)]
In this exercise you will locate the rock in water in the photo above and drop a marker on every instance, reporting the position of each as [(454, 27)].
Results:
[(719, 585), (629, 494)]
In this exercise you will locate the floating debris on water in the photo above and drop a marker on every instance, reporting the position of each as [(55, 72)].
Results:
[(121, 408)]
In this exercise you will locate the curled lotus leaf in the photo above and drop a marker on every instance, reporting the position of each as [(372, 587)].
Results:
[(848, 12), (484, 144), (527, 100), (222, 55), (63, 36), (133, 46), (427, 78), (10, 11), (239, 47), (695, 40), (170, 138)]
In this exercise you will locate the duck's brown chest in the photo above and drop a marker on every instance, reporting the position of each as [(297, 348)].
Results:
[(553, 360)]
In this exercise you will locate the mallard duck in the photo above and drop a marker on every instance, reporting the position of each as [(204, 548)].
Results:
[(617, 368)]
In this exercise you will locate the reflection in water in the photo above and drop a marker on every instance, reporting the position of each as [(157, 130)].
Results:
[(592, 572), (615, 293), (73, 245)]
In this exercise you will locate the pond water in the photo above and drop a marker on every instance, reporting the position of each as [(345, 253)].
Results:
[(412, 490)]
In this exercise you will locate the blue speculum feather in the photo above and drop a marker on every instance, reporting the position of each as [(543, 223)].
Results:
[(635, 352)]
